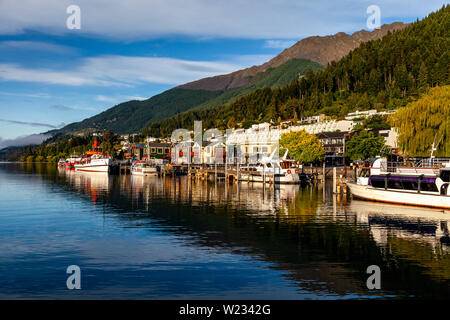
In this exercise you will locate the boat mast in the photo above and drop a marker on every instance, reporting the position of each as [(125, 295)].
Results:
[(434, 148)]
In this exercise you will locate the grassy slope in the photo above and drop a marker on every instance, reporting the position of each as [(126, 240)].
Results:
[(275, 77)]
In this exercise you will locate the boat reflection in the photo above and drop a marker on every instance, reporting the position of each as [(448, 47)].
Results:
[(92, 183), (411, 223)]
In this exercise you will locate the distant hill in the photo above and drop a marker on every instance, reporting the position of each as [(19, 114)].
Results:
[(310, 53), (13, 153)]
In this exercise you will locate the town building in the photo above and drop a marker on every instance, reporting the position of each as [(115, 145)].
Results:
[(390, 137), (159, 149), (325, 126), (334, 144), (250, 145), (366, 114), (140, 151)]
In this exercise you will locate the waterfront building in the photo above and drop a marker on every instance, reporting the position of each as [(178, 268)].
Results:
[(325, 126), (159, 149), (390, 137), (183, 152), (334, 145), (213, 152), (334, 142), (140, 151), (250, 145)]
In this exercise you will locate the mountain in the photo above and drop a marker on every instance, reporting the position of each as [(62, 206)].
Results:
[(310, 53), (386, 73), (322, 50)]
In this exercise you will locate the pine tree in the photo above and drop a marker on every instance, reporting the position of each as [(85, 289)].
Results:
[(423, 76)]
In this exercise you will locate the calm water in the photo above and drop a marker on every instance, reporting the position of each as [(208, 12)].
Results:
[(152, 238)]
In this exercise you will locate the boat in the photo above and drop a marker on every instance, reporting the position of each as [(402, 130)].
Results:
[(61, 163), (423, 184), (70, 162), (143, 168), (269, 169), (94, 160)]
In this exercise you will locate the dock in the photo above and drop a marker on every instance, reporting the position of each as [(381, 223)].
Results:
[(233, 173)]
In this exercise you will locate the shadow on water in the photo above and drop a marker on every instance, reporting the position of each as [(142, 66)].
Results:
[(321, 242)]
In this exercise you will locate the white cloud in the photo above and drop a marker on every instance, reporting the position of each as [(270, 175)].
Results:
[(279, 44), (105, 99), (136, 98), (263, 19), (28, 95), (33, 124), (14, 72), (37, 46), (120, 71), (115, 99), (61, 107)]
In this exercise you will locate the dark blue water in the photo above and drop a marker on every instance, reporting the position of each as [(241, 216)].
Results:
[(153, 238)]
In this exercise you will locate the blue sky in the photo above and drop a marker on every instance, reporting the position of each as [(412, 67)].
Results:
[(51, 76)]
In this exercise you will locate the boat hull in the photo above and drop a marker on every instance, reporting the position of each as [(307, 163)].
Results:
[(97, 165), (287, 179), (404, 197), (144, 172)]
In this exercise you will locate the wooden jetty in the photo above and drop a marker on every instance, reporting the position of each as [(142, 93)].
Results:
[(233, 173)]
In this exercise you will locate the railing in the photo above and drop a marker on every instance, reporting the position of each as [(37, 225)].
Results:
[(415, 166)]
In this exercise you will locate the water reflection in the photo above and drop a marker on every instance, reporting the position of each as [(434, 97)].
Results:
[(321, 244)]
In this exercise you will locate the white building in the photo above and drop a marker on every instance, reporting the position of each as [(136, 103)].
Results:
[(326, 126), (367, 114), (390, 137), (253, 143)]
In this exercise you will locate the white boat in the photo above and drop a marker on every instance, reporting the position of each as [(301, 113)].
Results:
[(94, 161), (143, 168), (271, 170), (423, 185)]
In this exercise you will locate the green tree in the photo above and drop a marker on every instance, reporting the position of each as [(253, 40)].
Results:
[(302, 146), (423, 122), (363, 145), (423, 76), (376, 122), (231, 124)]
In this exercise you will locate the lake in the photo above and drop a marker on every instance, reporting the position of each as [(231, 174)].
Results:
[(171, 238)]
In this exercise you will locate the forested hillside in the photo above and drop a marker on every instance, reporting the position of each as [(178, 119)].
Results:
[(382, 74)]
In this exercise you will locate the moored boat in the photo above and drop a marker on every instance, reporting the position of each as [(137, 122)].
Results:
[(61, 163), (422, 185), (143, 168), (70, 162), (269, 169), (94, 160)]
